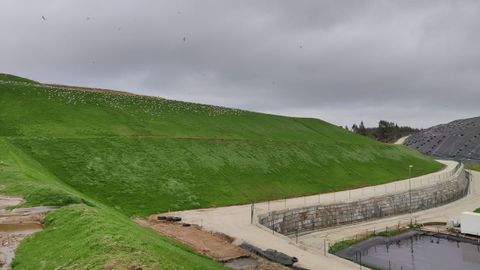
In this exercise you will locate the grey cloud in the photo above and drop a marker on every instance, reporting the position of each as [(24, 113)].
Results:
[(414, 62)]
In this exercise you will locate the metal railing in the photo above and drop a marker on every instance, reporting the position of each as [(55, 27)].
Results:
[(428, 195)]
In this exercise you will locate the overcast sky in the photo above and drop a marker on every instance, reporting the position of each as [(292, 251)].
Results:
[(413, 62)]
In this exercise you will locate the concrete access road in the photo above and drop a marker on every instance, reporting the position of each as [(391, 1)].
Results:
[(236, 221)]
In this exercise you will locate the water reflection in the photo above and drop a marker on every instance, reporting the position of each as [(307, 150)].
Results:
[(421, 252)]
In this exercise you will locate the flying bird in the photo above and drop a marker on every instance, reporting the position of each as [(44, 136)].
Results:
[(43, 18), (184, 39)]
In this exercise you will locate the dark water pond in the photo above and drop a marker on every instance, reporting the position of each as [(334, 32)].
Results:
[(420, 252)]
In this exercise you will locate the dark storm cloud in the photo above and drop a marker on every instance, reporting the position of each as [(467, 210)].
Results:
[(414, 62)]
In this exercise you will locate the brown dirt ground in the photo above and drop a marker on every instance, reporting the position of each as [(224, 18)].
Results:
[(15, 226), (214, 245)]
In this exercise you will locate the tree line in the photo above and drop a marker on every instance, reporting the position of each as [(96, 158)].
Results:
[(386, 131)]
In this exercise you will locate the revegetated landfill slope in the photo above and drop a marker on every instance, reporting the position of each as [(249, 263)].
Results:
[(106, 156), (458, 140)]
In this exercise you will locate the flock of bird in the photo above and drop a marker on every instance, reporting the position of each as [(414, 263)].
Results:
[(129, 103)]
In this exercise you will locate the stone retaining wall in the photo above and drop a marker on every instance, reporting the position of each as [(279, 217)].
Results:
[(305, 219)]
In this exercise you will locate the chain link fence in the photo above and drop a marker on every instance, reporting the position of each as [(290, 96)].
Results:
[(413, 198)]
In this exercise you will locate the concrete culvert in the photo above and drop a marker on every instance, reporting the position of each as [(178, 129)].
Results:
[(280, 257), (170, 218), (271, 255)]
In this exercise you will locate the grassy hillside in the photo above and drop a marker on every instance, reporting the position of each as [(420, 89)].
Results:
[(82, 237), (142, 176), (122, 155), (86, 235), (12, 78), (475, 167)]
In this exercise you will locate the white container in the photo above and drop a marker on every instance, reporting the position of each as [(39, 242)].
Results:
[(470, 223)]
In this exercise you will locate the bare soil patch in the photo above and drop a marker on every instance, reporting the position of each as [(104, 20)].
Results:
[(217, 246), (15, 225), (214, 245)]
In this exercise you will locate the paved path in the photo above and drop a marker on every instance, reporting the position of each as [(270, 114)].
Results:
[(236, 220), (401, 140)]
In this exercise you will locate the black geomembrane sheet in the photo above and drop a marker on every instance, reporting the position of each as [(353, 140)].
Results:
[(457, 140)]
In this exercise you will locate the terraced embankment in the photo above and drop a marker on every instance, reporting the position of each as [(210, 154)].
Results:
[(104, 156)]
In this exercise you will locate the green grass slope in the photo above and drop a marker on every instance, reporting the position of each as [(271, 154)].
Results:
[(116, 155), (143, 155), (475, 167), (86, 235), (7, 78), (82, 237)]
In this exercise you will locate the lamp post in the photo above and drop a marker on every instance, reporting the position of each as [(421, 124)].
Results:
[(410, 190)]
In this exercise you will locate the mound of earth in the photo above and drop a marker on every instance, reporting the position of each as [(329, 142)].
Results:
[(458, 140), (103, 156)]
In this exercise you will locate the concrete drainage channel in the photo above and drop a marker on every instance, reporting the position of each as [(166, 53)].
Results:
[(304, 220)]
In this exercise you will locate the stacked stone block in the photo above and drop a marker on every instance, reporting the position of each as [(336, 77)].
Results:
[(306, 219)]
